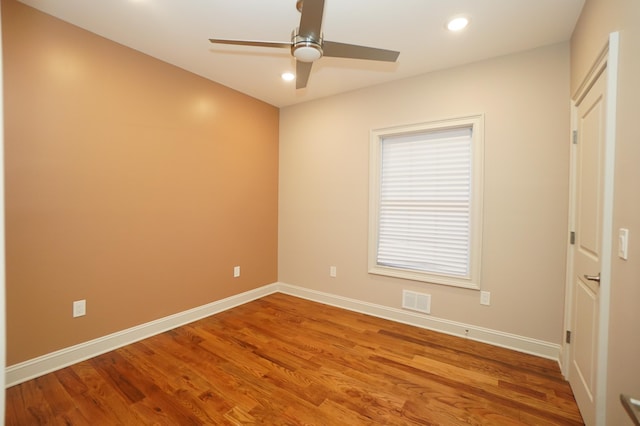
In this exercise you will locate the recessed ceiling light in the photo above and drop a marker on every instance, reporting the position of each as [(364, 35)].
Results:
[(288, 76), (458, 23)]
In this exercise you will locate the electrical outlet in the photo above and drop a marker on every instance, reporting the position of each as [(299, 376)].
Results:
[(79, 308), (236, 271), (485, 298), (333, 271)]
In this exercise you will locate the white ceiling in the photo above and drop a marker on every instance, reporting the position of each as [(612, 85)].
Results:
[(177, 32)]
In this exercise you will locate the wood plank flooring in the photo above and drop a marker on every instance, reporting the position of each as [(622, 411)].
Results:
[(281, 360)]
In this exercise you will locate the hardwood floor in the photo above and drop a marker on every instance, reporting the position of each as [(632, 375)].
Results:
[(287, 361)]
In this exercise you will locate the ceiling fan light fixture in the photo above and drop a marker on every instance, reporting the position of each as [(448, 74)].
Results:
[(307, 51)]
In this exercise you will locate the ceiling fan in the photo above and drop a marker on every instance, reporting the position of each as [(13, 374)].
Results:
[(307, 43)]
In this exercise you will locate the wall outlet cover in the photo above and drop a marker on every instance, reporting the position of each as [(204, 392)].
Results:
[(79, 308), (485, 298)]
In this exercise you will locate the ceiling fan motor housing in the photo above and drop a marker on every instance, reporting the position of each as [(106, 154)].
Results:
[(306, 49)]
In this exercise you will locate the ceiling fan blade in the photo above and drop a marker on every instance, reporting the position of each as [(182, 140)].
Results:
[(311, 19), (252, 43), (344, 50), (303, 69)]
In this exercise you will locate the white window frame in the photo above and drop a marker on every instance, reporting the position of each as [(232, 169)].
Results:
[(472, 279)]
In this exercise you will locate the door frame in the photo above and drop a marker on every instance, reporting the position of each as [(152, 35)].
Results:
[(607, 59)]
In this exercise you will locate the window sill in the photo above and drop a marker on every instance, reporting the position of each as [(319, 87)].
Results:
[(424, 277)]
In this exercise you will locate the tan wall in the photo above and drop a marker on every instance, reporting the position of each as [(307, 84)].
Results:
[(129, 183), (3, 328), (599, 18), (324, 188)]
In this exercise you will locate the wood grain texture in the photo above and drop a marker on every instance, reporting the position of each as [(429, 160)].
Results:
[(288, 361)]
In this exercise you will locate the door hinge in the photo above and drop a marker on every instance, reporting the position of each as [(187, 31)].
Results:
[(572, 237), (574, 137), (568, 337)]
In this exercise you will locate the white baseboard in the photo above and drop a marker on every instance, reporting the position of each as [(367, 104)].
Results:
[(53, 361), (494, 337)]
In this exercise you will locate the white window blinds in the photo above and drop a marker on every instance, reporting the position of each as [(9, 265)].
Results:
[(425, 202)]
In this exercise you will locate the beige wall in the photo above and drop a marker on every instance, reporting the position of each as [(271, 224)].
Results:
[(129, 183), (599, 18), (323, 205)]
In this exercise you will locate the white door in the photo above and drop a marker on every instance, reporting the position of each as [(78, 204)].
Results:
[(587, 257)]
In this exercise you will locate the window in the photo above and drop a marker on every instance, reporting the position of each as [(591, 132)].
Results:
[(425, 214)]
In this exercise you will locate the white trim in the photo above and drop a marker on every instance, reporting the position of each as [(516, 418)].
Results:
[(494, 337), (568, 289), (53, 361), (607, 229)]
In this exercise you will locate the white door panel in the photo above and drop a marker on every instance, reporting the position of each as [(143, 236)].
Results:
[(589, 188)]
